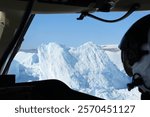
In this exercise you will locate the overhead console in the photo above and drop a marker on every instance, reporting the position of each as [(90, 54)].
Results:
[(97, 5)]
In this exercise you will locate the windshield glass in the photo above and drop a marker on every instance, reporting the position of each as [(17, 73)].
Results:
[(82, 54)]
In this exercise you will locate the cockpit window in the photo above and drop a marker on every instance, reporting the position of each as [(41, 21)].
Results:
[(82, 54), (11, 15)]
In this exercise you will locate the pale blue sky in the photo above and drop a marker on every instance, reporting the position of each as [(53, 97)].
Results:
[(65, 29)]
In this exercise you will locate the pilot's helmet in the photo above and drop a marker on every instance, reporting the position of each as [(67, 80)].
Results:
[(2, 22), (135, 50)]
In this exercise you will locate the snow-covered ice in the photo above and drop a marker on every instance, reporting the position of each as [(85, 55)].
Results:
[(90, 68)]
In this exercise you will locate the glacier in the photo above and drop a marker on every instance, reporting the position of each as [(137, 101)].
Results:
[(90, 68)]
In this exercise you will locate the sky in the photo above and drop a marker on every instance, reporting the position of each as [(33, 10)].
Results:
[(66, 30)]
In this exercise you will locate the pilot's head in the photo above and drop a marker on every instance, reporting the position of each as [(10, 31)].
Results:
[(135, 54)]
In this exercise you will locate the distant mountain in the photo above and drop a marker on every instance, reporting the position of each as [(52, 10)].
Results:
[(29, 50), (114, 55), (89, 68), (111, 48)]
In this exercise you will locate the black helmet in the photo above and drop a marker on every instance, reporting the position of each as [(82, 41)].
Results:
[(132, 43)]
